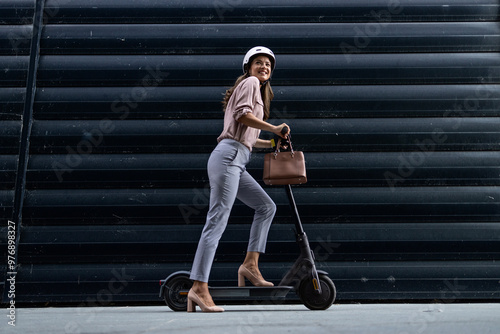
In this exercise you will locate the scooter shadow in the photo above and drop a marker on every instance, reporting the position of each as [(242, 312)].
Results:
[(265, 310)]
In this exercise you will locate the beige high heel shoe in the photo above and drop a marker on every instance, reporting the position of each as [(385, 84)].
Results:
[(243, 273), (194, 299)]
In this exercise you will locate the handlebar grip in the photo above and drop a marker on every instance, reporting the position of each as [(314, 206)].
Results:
[(284, 130)]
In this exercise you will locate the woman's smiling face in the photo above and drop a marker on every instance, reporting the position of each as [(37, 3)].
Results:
[(261, 68)]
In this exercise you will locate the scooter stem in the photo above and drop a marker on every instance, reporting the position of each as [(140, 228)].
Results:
[(304, 266), (295, 213)]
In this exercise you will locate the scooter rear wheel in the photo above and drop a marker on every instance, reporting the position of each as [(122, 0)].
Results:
[(173, 297), (314, 301)]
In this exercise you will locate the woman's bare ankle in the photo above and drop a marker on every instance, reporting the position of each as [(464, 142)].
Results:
[(200, 287)]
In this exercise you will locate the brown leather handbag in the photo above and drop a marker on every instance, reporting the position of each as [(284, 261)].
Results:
[(287, 167)]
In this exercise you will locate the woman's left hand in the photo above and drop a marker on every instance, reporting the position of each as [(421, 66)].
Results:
[(280, 128)]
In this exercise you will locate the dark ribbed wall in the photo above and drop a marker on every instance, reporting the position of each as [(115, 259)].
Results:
[(395, 103)]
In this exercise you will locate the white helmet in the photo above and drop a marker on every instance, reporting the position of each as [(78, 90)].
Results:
[(257, 51)]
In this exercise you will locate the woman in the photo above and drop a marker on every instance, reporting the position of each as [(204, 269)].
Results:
[(246, 107)]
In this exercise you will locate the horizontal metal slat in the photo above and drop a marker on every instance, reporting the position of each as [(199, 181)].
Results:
[(111, 171), (147, 72), (10, 132), (14, 71), (6, 203), (319, 205), (412, 204), (416, 279), (286, 38), (385, 101), (318, 233), (128, 102), (17, 11), (332, 242), (355, 169), (290, 102), (171, 136), (423, 167), (11, 103), (194, 11), (8, 170), (444, 280), (15, 39)]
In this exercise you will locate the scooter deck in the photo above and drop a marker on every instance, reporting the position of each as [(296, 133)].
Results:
[(248, 293)]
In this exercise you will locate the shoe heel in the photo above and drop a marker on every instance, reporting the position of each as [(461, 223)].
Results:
[(191, 306), (241, 280)]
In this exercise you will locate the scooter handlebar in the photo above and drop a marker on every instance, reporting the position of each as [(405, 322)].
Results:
[(284, 130)]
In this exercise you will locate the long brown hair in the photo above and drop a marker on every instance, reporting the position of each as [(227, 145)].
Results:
[(266, 92)]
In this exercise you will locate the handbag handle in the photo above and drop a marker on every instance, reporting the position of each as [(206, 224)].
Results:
[(278, 146)]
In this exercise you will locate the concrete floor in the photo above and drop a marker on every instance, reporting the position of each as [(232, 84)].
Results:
[(275, 319)]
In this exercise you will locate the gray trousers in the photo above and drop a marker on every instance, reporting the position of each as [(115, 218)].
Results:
[(230, 180)]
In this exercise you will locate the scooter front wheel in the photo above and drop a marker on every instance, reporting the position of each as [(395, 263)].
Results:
[(314, 301), (173, 297)]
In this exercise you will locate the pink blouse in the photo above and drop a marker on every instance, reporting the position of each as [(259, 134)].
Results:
[(246, 99)]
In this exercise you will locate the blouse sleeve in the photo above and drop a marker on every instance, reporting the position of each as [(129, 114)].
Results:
[(245, 97)]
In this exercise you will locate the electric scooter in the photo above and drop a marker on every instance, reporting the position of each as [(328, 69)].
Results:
[(314, 288)]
